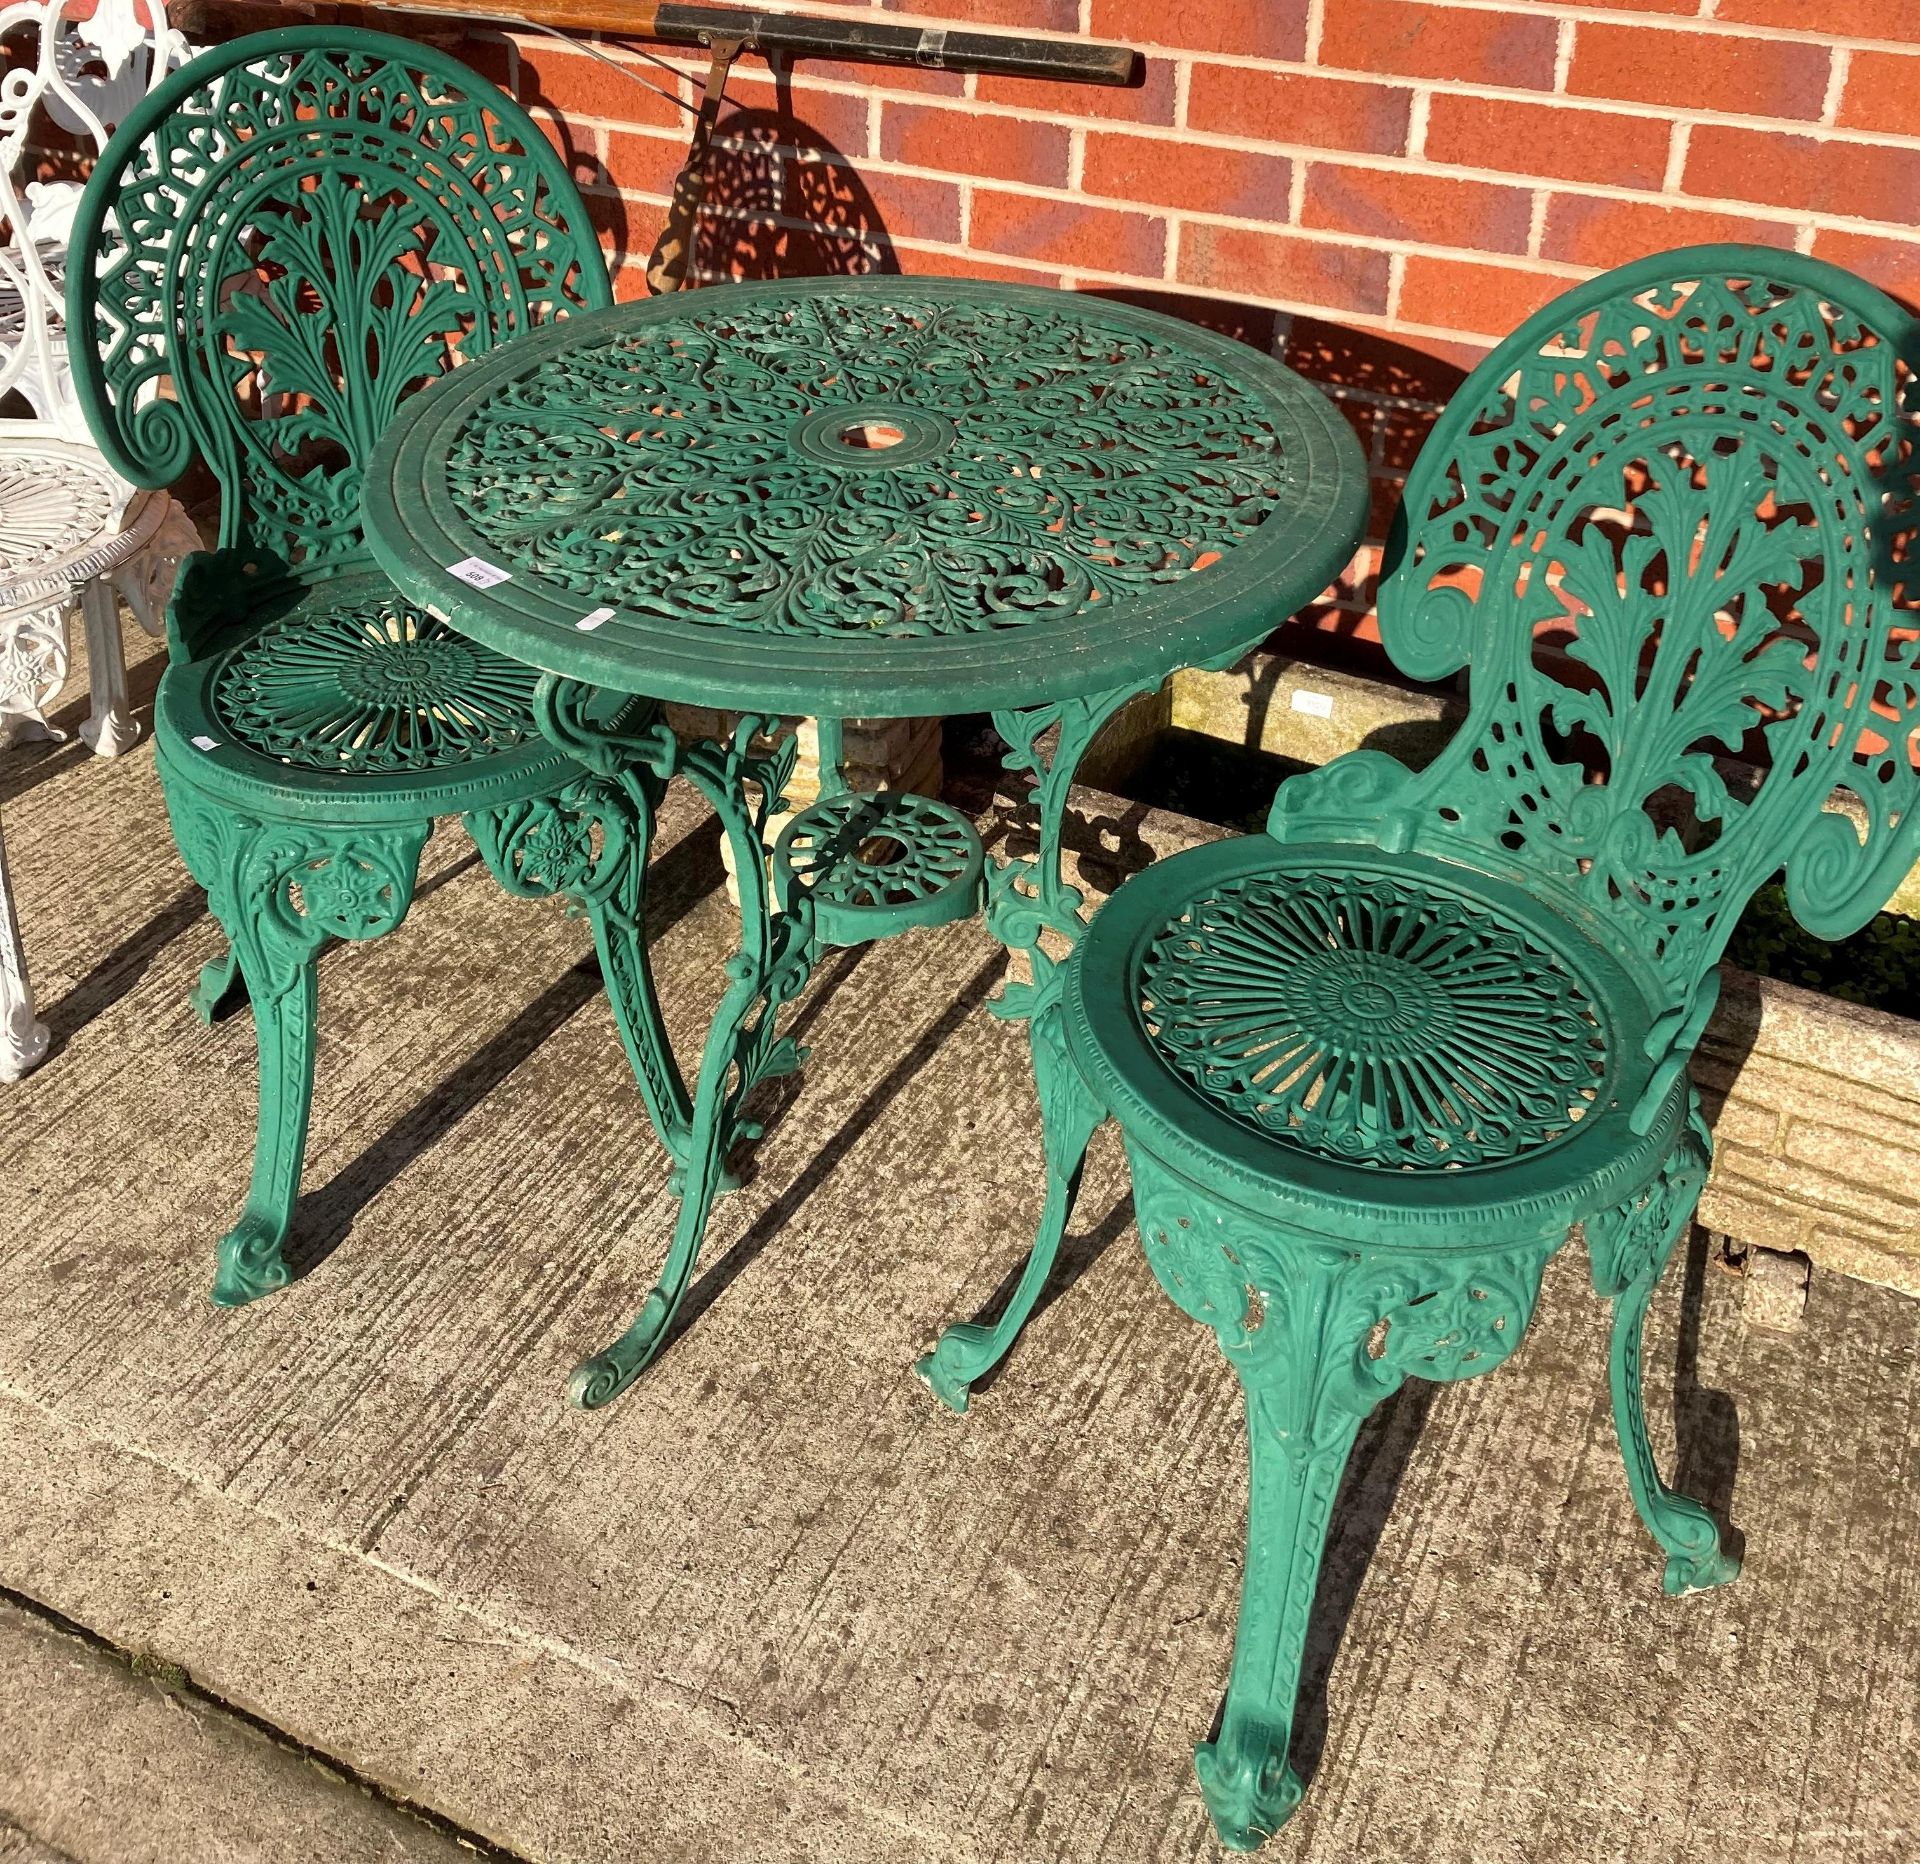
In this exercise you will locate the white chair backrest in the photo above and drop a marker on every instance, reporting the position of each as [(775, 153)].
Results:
[(87, 72)]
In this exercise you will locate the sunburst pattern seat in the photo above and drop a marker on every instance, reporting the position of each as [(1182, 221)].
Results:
[(1372, 1068)]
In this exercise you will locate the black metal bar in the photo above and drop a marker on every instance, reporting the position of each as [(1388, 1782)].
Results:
[(935, 48)]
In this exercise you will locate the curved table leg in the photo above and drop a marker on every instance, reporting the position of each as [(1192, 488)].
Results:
[(1027, 899), (634, 749)]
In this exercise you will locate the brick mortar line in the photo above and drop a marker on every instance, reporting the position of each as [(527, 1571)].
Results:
[(1401, 165), (1837, 76), (1652, 114)]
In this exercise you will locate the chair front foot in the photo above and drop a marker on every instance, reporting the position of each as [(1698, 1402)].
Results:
[(1249, 1788), (250, 1263)]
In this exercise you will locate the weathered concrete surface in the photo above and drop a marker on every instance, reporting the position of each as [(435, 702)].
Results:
[(775, 1604), (100, 1762)]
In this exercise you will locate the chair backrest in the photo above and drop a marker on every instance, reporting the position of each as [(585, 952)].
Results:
[(292, 234), (85, 66), (1673, 525)]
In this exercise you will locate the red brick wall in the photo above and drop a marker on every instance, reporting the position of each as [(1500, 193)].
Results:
[(1376, 188)]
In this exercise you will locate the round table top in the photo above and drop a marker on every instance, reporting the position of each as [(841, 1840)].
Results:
[(877, 497)]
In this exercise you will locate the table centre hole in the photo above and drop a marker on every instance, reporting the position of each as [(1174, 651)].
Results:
[(871, 436), (882, 851)]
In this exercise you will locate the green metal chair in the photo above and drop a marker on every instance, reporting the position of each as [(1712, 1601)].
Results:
[(1371, 1068), (289, 236)]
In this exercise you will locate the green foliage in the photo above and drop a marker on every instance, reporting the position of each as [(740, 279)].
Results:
[(1879, 966)]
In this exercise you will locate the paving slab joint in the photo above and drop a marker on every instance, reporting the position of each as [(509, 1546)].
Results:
[(175, 1677)]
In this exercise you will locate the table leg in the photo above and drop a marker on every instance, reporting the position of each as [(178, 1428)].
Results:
[(770, 968), (1027, 899)]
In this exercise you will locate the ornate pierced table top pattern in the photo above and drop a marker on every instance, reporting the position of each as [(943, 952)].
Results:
[(901, 466), (1367, 1019), (852, 492)]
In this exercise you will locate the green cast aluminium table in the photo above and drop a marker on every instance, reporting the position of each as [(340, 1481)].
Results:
[(877, 498)]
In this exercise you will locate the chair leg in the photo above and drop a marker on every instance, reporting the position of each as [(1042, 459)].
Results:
[(23, 1037), (966, 1351), (1628, 1248), (1319, 1334), (280, 890), (109, 727), (591, 841), (251, 1262), (1245, 1777), (219, 990)]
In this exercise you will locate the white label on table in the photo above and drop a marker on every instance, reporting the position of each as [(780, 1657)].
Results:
[(587, 623), (206, 744), (1315, 705), (478, 573)]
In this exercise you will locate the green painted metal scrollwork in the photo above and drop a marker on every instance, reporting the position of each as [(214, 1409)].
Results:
[(744, 779), (280, 890), (1319, 1336), (1670, 524), (1372, 1070), (287, 238), (1376, 1019), (291, 241), (906, 466), (1028, 899), (877, 864), (371, 684)]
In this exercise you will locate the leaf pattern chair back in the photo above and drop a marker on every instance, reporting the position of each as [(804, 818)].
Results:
[(1671, 525), (303, 227)]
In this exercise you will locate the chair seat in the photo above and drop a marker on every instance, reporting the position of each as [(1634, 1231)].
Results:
[(341, 689), (61, 515), (1362, 1039)]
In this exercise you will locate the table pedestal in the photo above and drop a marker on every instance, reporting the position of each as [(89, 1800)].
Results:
[(847, 869)]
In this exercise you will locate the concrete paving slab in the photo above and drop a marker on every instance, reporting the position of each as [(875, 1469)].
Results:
[(775, 1604), (98, 1762)]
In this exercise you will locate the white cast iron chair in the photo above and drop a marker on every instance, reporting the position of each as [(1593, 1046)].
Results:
[(72, 532)]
